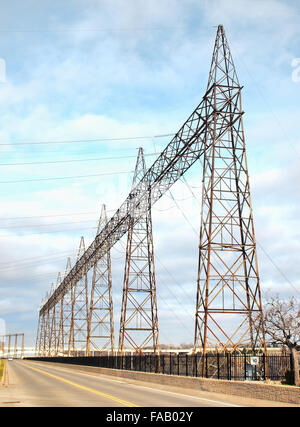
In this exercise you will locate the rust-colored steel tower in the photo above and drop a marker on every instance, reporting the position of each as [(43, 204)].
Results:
[(65, 317), (100, 336), (139, 322), (47, 330), (79, 316), (52, 327), (54, 323), (228, 290)]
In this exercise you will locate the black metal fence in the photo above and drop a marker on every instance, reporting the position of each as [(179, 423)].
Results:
[(220, 366)]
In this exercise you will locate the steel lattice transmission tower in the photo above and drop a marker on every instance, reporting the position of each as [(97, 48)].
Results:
[(228, 290), (65, 317), (100, 336), (46, 334), (139, 322), (54, 323), (40, 336), (79, 316)]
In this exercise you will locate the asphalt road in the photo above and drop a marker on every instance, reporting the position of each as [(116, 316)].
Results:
[(38, 384)]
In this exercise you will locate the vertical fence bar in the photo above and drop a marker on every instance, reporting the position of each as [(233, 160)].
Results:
[(273, 367), (235, 366), (227, 365), (186, 366)]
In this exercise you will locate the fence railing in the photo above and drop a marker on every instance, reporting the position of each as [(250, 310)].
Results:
[(220, 366)]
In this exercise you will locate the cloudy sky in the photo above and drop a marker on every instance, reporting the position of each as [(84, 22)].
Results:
[(77, 76)]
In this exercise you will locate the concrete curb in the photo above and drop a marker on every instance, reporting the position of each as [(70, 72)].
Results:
[(247, 389)]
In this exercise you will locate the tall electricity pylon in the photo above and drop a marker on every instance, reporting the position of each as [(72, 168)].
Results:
[(100, 335), (228, 289), (79, 316), (55, 323), (40, 335), (139, 322), (46, 330), (65, 317), (38, 339), (52, 328)]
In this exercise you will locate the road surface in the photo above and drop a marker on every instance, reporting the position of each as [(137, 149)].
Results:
[(37, 384)]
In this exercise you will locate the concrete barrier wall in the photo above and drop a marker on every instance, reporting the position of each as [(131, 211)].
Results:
[(248, 389)]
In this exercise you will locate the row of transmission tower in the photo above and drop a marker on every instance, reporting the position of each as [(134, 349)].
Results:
[(82, 322), (76, 318), (10, 346)]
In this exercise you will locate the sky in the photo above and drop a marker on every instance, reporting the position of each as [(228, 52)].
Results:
[(77, 78)]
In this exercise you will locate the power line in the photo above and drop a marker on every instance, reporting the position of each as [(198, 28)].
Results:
[(47, 225), (183, 214), (268, 104), (172, 310), (277, 268), (70, 141), (49, 232), (48, 216), (265, 252), (64, 177), (73, 160), (29, 264), (53, 215), (32, 259), (172, 277), (78, 30)]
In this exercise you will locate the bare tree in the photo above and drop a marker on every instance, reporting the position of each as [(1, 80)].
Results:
[(282, 325)]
